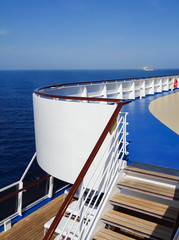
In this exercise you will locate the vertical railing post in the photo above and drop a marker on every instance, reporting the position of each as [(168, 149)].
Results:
[(168, 85), (124, 133), (133, 90), (51, 183), (140, 92), (172, 84), (19, 206)]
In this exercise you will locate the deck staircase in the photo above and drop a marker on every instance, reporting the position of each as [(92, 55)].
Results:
[(144, 207)]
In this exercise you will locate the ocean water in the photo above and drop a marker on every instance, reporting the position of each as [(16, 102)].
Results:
[(17, 143)]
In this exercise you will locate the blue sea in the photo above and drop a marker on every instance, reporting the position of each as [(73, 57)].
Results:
[(17, 144)]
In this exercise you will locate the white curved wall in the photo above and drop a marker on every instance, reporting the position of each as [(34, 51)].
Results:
[(66, 133)]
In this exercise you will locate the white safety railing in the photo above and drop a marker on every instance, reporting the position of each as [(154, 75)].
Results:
[(17, 201), (117, 89), (81, 215)]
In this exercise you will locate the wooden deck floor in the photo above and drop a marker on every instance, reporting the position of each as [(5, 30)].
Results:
[(31, 227)]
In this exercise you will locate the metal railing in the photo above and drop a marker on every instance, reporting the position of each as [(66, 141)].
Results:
[(109, 90), (94, 181), (20, 196)]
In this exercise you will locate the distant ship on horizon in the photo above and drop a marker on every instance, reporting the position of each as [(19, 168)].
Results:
[(148, 68)]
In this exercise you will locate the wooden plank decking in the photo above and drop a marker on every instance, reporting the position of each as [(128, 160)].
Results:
[(150, 188), (106, 234), (32, 226), (137, 225), (152, 174), (145, 206), (139, 217)]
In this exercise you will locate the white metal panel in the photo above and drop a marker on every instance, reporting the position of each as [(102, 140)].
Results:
[(66, 133)]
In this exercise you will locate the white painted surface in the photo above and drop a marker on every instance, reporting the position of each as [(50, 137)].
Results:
[(7, 225), (66, 133)]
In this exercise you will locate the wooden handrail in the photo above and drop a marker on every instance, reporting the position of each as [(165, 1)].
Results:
[(111, 100), (81, 175), (25, 188)]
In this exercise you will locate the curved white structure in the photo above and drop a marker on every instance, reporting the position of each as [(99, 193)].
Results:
[(66, 133), (68, 121)]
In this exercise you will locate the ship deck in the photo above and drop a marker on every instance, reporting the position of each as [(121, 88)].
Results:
[(32, 226), (150, 140)]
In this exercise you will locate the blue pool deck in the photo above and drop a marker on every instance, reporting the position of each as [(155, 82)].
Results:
[(150, 141)]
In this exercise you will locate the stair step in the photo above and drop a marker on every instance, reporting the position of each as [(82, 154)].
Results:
[(149, 188), (159, 172), (106, 234), (151, 208), (136, 225)]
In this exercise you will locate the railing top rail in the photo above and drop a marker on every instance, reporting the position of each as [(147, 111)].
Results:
[(110, 100), (83, 172)]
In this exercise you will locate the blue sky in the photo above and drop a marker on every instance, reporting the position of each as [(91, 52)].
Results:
[(89, 34)]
